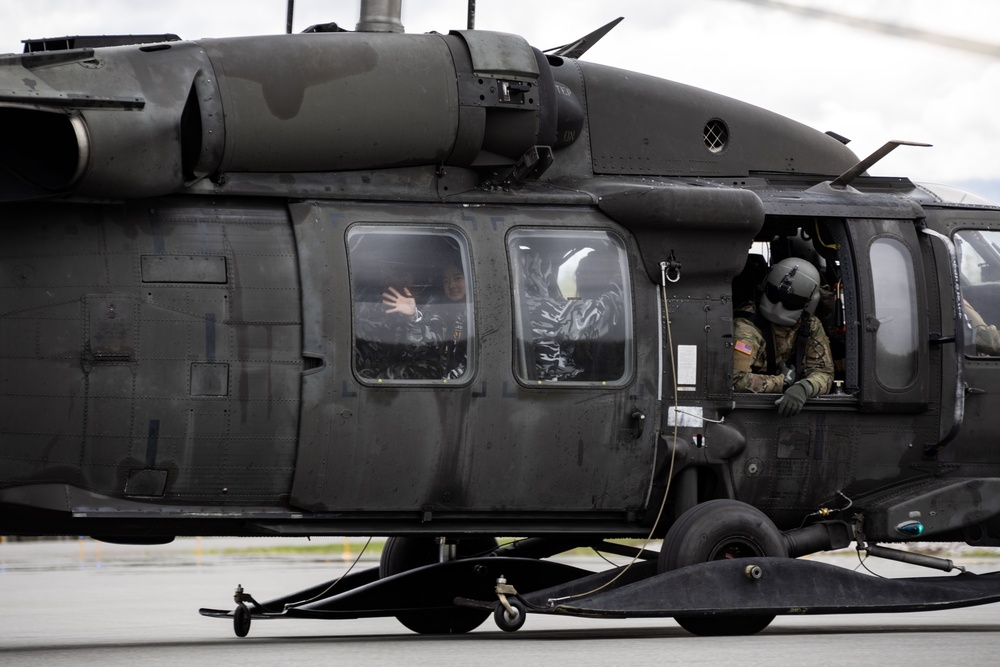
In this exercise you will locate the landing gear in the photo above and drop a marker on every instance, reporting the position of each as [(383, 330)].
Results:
[(241, 620), (510, 620), (720, 530), (406, 553), (242, 615), (510, 613)]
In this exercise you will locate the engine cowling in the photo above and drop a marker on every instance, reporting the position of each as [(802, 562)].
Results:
[(141, 121)]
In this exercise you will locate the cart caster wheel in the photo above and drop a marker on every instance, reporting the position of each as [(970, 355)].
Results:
[(241, 621), (507, 621)]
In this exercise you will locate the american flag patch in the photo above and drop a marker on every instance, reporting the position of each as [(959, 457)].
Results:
[(744, 347)]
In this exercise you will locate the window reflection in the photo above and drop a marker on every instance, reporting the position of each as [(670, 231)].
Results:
[(895, 313), (979, 267), (411, 290), (572, 306)]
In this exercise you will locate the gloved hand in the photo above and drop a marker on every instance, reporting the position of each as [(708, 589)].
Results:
[(787, 372), (795, 397)]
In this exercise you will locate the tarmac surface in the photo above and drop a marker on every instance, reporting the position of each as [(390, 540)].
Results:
[(80, 602)]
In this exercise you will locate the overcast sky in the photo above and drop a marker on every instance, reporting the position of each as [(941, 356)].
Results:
[(865, 85)]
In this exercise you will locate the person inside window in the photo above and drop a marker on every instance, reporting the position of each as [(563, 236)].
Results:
[(780, 347), (985, 337), (385, 348), (979, 264), (439, 329)]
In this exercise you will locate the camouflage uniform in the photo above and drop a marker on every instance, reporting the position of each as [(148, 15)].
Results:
[(983, 338), (750, 357), (987, 341)]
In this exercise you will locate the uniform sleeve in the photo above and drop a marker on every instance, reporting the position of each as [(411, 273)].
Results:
[(987, 341), (749, 353), (817, 366)]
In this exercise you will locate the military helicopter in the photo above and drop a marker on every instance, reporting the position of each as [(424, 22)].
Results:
[(446, 287)]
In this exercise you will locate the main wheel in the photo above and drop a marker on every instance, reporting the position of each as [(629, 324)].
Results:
[(718, 530), (406, 553)]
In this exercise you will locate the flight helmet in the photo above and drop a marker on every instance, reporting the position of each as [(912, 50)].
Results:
[(792, 286)]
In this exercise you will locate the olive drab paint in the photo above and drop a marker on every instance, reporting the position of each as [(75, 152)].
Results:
[(223, 306)]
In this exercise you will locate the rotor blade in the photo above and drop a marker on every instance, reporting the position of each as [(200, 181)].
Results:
[(844, 179), (582, 45), (894, 29)]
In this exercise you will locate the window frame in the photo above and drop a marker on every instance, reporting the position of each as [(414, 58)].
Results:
[(520, 344), (971, 348), (359, 229), (874, 395)]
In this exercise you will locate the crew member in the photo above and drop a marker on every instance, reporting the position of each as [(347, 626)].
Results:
[(985, 337), (780, 347)]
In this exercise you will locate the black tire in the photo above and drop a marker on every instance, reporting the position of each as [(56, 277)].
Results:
[(406, 553), (717, 530), (507, 622), (241, 621)]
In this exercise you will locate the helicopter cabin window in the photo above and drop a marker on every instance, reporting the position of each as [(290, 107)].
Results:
[(411, 290), (895, 292), (979, 268), (572, 306)]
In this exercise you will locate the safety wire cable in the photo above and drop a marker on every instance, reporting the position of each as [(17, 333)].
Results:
[(673, 450), (325, 592)]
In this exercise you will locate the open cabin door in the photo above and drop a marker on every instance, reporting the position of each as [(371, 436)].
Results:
[(895, 364), (529, 424)]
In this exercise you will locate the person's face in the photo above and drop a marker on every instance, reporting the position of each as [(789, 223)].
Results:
[(453, 283)]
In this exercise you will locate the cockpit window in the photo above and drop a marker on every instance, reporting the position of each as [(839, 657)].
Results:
[(979, 267), (572, 306), (411, 290)]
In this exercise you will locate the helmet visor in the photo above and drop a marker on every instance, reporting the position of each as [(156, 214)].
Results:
[(787, 299)]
